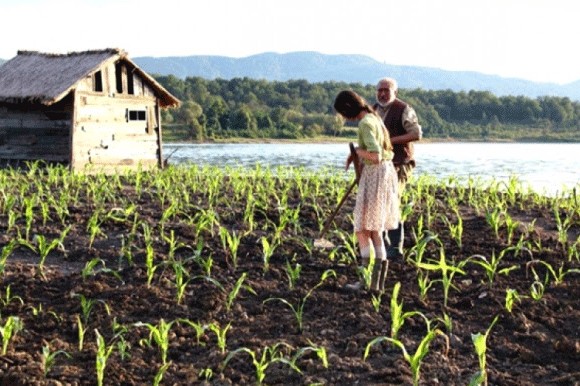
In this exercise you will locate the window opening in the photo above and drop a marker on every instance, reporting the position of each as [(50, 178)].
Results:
[(137, 115), (130, 86), (98, 81), (119, 77)]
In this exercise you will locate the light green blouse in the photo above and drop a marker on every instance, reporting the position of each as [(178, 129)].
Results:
[(371, 137)]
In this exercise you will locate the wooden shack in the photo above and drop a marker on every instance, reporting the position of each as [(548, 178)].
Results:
[(91, 109)]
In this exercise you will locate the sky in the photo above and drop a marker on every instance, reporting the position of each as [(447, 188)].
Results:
[(527, 39)]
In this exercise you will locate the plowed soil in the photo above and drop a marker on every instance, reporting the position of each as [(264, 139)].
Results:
[(537, 343)]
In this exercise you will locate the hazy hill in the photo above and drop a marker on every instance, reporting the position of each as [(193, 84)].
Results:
[(316, 67)]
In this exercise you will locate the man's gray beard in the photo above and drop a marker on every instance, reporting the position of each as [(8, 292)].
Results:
[(383, 105)]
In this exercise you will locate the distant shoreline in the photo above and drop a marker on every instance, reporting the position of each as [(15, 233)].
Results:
[(321, 140)]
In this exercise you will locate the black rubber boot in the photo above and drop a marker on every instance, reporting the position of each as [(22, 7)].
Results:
[(383, 276), (359, 284), (376, 277), (396, 239)]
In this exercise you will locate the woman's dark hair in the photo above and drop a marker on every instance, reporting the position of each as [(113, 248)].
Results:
[(349, 104)]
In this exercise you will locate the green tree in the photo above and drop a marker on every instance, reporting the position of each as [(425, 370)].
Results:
[(215, 114), (242, 119), (191, 113)]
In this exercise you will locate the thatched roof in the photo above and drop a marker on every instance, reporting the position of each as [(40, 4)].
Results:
[(47, 78)]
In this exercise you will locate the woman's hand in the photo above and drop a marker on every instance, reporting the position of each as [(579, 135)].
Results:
[(370, 156)]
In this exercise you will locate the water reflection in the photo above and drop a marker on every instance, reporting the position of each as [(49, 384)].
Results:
[(544, 167)]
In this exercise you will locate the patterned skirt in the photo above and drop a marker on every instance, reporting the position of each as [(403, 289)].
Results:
[(377, 198)]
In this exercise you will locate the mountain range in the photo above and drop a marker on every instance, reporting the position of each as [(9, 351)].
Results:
[(317, 67)]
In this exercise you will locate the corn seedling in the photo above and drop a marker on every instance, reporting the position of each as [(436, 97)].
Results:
[(158, 334), (573, 252), (455, 230), (447, 321), (398, 317), (59, 207), (87, 306), (511, 226), (206, 374), (413, 360), (376, 301), (103, 354), (537, 290), (557, 275), (11, 327), (7, 250), (48, 358), (94, 227), (418, 250), (89, 268), (429, 209), (128, 241), (480, 343), (447, 272), (28, 215), (293, 273), (306, 243), (198, 328), (205, 220), (36, 311), (491, 266), (563, 226), (9, 298), (160, 373), (269, 356), (319, 350), (233, 294), (180, 279), (81, 332), (349, 243), (167, 214), (173, 244), (511, 297), (268, 249), (298, 310), (406, 208), (220, 334), (493, 218), (230, 243), (123, 346), (12, 217), (418, 229), (42, 247), (45, 247), (424, 284), (149, 254), (249, 211)]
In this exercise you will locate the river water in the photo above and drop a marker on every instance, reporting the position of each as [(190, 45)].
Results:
[(545, 167)]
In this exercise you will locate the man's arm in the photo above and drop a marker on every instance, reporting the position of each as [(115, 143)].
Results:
[(405, 138), (414, 132)]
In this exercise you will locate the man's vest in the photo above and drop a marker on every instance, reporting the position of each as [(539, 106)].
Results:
[(404, 153)]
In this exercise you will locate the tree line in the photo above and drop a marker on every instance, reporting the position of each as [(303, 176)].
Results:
[(251, 108)]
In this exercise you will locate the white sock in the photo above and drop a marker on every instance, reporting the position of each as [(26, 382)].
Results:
[(365, 254), (380, 252)]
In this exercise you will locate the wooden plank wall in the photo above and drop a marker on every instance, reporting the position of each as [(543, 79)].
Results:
[(102, 134), (104, 138), (35, 133)]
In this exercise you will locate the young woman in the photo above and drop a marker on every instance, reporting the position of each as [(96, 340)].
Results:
[(377, 203)]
